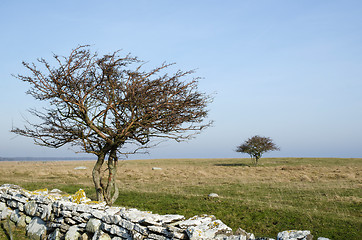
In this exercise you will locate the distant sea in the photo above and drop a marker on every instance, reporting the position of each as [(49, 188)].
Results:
[(45, 159)]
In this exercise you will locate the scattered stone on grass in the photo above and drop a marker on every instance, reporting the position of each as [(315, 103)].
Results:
[(213, 195), (80, 168)]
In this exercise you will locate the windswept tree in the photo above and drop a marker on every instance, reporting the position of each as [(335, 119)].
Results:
[(100, 104), (256, 146)]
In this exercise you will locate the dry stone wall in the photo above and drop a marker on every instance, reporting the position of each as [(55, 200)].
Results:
[(53, 215)]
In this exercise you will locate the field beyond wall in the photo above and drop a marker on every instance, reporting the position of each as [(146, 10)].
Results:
[(323, 195)]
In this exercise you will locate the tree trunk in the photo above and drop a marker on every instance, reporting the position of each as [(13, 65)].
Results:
[(97, 177), (111, 191), (257, 159), (107, 189)]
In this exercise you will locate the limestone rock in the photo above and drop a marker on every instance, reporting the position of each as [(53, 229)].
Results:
[(93, 225), (115, 230), (126, 224), (55, 190), (66, 205), (21, 221), (118, 238), (72, 233), (80, 197), (42, 192), (196, 220), (12, 204), (237, 237), (80, 168), (64, 227), (160, 230), (100, 235), (170, 218), (27, 219), (21, 206), (47, 210), (112, 210), (177, 232), (5, 213), (157, 237), (137, 236), (69, 221), (97, 214), (84, 236), (294, 235), (82, 226), (104, 236), (10, 186), (208, 230), (111, 219), (83, 208), (2, 206), (30, 208), (86, 216), (244, 235), (137, 216), (36, 229), (156, 168), (213, 195), (66, 214), (15, 216), (56, 235), (140, 229)]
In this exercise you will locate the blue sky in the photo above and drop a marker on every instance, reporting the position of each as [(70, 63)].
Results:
[(289, 70)]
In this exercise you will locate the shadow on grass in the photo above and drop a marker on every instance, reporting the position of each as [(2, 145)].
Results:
[(5, 230), (232, 165)]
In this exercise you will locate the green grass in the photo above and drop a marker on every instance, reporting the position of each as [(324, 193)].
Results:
[(257, 216), (318, 194)]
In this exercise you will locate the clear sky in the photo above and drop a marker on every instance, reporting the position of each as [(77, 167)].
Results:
[(289, 70)]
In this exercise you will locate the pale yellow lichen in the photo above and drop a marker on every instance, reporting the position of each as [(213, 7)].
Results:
[(79, 196), (92, 202), (43, 191)]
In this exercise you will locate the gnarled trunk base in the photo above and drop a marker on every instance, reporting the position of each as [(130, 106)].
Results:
[(106, 189)]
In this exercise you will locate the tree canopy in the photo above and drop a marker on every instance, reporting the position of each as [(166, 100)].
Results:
[(100, 103), (256, 146)]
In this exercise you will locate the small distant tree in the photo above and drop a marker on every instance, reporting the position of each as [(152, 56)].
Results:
[(101, 103), (256, 146)]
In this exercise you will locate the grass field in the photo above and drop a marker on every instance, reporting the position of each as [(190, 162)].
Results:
[(323, 195)]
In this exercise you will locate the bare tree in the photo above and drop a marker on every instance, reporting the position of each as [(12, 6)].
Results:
[(99, 104), (256, 146)]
